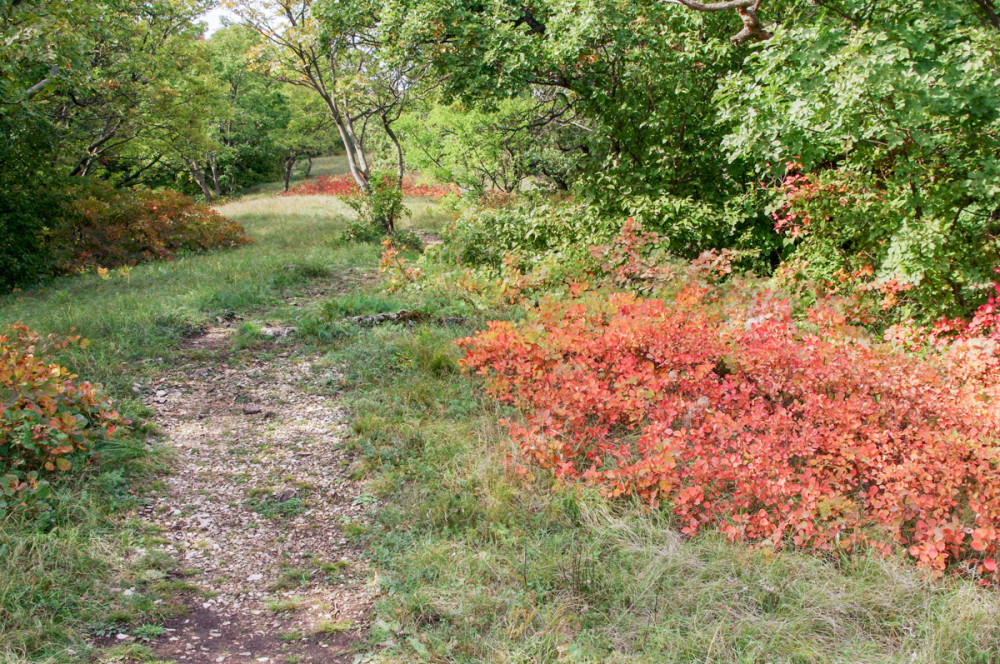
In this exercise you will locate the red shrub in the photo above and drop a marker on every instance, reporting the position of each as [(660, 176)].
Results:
[(345, 185), (427, 190), (110, 228), (341, 185), (48, 419), (755, 425)]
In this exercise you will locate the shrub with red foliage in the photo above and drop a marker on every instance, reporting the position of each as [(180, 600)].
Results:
[(109, 228), (345, 185), (768, 430), (48, 418), (340, 185)]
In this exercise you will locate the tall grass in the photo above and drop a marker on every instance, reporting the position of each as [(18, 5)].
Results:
[(66, 575), (480, 564)]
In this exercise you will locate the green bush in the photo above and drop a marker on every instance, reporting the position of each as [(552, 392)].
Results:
[(885, 138), (382, 206), (535, 227), (483, 235)]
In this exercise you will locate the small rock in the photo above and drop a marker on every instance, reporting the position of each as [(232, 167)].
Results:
[(285, 495), (255, 577), (276, 332), (251, 410)]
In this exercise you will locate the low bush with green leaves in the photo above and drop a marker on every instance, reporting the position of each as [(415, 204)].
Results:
[(535, 228)]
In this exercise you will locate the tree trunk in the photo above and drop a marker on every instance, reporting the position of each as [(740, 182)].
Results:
[(199, 177), (399, 150), (289, 165), (347, 138), (214, 172), (309, 167), (359, 151)]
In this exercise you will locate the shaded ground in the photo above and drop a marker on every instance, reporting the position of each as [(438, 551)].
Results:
[(257, 510)]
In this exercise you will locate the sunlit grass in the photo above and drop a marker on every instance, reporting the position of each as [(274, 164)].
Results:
[(135, 320), (480, 564)]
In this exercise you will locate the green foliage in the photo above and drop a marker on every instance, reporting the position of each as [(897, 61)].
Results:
[(480, 150), (484, 235), (894, 122), (624, 90), (536, 228), (249, 119), (381, 206)]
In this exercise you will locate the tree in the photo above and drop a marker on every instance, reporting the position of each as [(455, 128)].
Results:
[(891, 119), (334, 49), (483, 149), (255, 111), (308, 134)]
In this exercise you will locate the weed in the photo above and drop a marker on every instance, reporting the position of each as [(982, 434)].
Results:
[(271, 508), (333, 627), (148, 632), (286, 605)]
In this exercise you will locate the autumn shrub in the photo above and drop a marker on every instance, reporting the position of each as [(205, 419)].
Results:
[(772, 431), (325, 185), (345, 185), (105, 227), (49, 422)]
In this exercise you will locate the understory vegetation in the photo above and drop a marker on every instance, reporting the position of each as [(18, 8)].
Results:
[(70, 552), (667, 332), (482, 561)]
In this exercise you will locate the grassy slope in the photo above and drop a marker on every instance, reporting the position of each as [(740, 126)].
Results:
[(480, 565), (54, 583), (476, 564)]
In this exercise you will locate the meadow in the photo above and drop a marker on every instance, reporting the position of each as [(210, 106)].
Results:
[(475, 562)]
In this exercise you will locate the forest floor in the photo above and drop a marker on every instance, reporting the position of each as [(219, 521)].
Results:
[(254, 509)]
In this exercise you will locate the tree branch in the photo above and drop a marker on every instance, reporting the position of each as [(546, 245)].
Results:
[(752, 30), (38, 87)]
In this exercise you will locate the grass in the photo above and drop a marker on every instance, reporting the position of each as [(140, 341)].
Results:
[(478, 564), (135, 323), (475, 563), (59, 578)]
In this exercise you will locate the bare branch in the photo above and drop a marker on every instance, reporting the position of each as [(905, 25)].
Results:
[(714, 6), (752, 30)]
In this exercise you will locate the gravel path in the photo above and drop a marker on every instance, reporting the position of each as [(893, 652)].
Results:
[(255, 511)]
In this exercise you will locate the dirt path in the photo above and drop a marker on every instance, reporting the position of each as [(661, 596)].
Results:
[(255, 511)]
